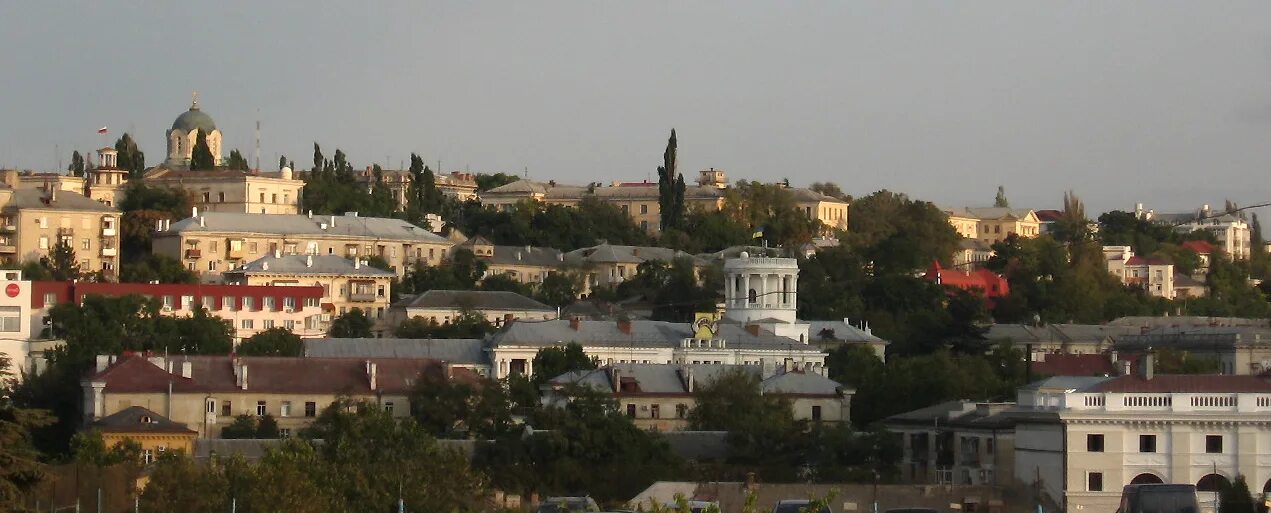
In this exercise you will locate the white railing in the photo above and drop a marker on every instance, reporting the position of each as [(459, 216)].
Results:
[(1228, 402)]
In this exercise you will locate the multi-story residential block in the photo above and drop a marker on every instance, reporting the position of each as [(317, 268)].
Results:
[(525, 264), (250, 309), (16, 322), (1080, 443), (205, 393), (33, 221), (956, 443), (1231, 230), (346, 284), (457, 185), (468, 353), (639, 200), (444, 306), (232, 191), (211, 243), (1154, 275), (658, 397), (993, 224)]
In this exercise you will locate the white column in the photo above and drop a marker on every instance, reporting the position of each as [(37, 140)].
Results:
[(745, 289)]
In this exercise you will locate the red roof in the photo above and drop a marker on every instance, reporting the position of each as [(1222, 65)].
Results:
[(1185, 383), (290, 375), (1048, 215), (73, 292), (1200, 247), (987, 282), (1063, 364)]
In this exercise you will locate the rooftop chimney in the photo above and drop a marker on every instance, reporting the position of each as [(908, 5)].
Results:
[(308, 260), (615, 376), (187, 369), (333, 220), (1147, 366), (624, 326), (194, 212), (242, 376), (357, 263), (574, 323), (752, 329), (372, 371), (277, 253), (202, 221)]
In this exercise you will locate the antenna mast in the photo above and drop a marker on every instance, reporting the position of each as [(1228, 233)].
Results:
[(258, 140)]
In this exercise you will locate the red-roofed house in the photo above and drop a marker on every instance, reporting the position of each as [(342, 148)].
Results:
[(1088, 364), (1153, 275), (986, 282), (1083, 439), (205, 393), (1202, 249)]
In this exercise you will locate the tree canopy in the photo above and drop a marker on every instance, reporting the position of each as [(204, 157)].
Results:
[(276, 341)]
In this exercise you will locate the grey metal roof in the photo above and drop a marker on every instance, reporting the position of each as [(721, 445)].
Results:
[(344, 227), (459, 351), (307, 264), (135, 419), (1066, 383), (62, 200), (801, 383), (970, 414), (643, 333), (611, 253), (654, 378), (476, 299), (1025, 333), (841, 330), (526, 255), (988, 212)]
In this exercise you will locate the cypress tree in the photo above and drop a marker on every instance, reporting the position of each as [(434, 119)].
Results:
[(202, 157), (670, 188)]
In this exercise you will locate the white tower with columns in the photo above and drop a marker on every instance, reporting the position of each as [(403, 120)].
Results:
[(764, 290)]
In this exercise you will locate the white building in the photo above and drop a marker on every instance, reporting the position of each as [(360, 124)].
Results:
[(1231, 230), (1083, 439), (1153, 275), (15, 321)]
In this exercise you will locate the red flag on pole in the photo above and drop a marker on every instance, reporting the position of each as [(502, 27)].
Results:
[(101, 130)]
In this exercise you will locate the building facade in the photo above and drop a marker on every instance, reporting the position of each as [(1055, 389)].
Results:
[(233, 191), (994, 224), (956, 443), (33, 221), (1154, 275), (16, 322), (211, 243), (345, 284), (445, 306)]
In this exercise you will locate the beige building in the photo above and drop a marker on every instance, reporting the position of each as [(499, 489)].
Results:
[(456, 185), (525, 264), (214, 242), (639, 200), (205, 393), (346, 284), (956, 443), (608, 264), (444, 306), (33, 221), (1154, 275), (105, 183), (154, 433), (1081, 442), (231, 191), (659, 397), (993, 224)]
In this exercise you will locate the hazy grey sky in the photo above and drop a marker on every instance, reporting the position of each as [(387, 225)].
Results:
[(1168, 103)]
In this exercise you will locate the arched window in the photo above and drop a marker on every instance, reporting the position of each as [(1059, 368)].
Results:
[(1266, 488), (753, 296), (1146, 478), (1211, 483)]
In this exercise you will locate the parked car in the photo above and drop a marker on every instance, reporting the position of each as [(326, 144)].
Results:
[(693, 506), (798, 506), (1158, 498), (568, 505)]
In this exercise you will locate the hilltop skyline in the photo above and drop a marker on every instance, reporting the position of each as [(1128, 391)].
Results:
[(1166, 106)]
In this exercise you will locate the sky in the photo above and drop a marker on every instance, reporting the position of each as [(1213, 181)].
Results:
[(1167, 103)]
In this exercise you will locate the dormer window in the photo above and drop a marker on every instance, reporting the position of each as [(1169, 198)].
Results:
[(145, 419)]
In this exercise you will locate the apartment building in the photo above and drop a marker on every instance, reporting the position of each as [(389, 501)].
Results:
[(346, 284), (956, 443), (444, 306), (525, 264), (233, 191), (993, 224), (211, 243), (658, 397), (205, 393), (1154, 275), (15, 322), (456, 185), (1230, 229), (1080, 444), (609, 264), (33, 221), (251, 309)]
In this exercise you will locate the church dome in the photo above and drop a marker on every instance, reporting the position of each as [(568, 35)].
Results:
[(192, 119)]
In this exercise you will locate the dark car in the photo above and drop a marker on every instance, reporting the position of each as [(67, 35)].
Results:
[(1158, 498), (567, 505), (798, 506)]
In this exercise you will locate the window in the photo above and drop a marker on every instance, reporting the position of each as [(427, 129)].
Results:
[(168, 302), (1213, 444), (187, 302), (225, 409), (988, 445), (86, 244), (631, 410), (260, 408), (285, 411), (311, 302), (213, 246), (1094, 443), (44, 242), (681, 411), (388, 406), (207, 197), (268, 324), (209, 302), (44, 222), (311, 409), (252, 247), (289, 324), (262, 197), (247, 303), (227, 303), (270, 302), (211, 405), (10, 319), (644, 209), (248, 324), (147, 456), (816, 414), (50, 298), (289, 303), (220, 197), (1147, 443), (655, 412), (273, 198), (1094, 482), (284, 432)]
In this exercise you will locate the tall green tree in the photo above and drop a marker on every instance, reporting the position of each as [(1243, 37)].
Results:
[(21, 470), (670, 188), (201, 158), (558, 289), (898, 234), (554, 361), (130, 156), (61, 262), (237, 161), (282, 162), (758, 425), (276, 341), (1235, 497), (1000, 201), (76, 166), (351, 324)]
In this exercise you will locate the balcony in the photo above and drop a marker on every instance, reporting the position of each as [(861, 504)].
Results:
[(234, 255), (192, 254), (65, 232), (6, 249), (110, 252), (108, 231), (362, 296)]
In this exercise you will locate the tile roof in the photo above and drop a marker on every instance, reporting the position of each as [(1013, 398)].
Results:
[(307, 265), (988, 212), (62, 200), (840, 330), (1049, 215), (957, 413), (277, 375), (672, 379), (476, 299), (1184, 383), (1061, 364), (138, 419), (1139, 260), (643, 333), (1200, 247), (458, 351), (344, 227), (611, 253), (1066, 383)]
